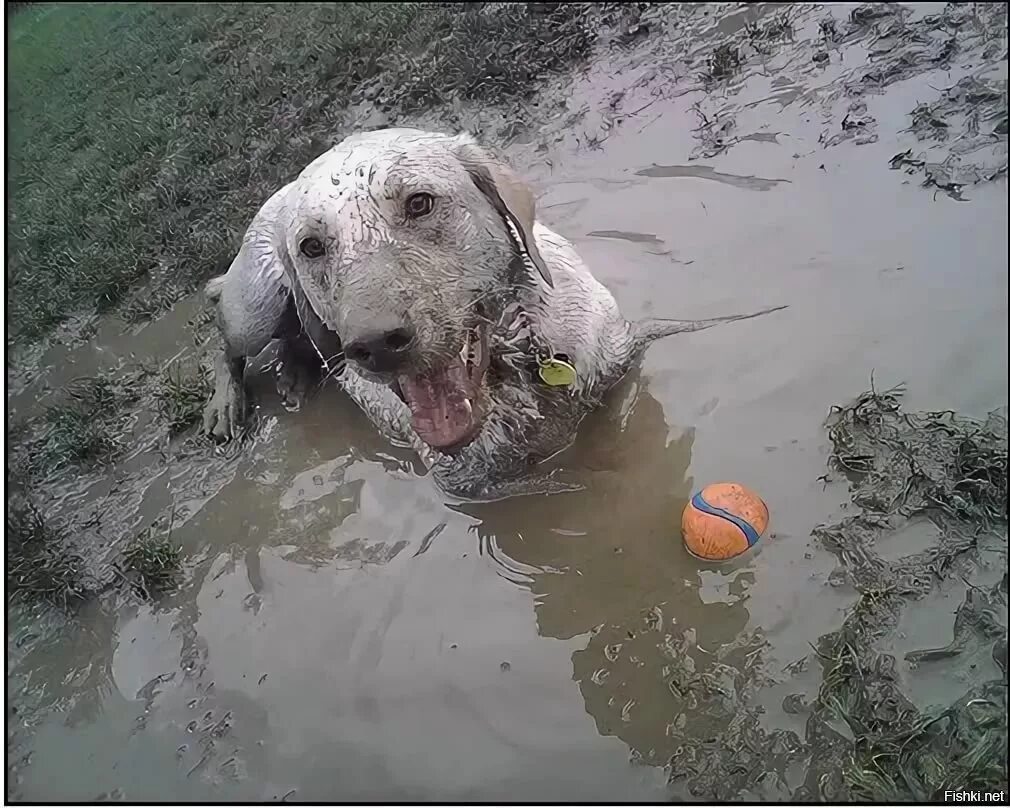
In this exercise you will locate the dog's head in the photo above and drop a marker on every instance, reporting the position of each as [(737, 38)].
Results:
[(408, 245)]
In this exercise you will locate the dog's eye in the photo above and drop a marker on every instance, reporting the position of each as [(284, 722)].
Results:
[(311, 247), (419, 205)]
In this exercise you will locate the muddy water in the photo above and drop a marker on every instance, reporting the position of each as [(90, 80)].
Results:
[(345, 634)]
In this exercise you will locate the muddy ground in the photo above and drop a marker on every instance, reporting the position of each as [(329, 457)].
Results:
[(336, 631)]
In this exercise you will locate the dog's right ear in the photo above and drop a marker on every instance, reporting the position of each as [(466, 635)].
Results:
[(324, 340), (507, 193)]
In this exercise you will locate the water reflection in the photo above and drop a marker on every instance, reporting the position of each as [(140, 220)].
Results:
[(609, 562)]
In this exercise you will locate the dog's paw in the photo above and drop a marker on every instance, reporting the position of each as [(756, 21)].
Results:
[(294, 381), (224, 415)]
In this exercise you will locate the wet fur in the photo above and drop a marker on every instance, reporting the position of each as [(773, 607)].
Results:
[(462, 264)]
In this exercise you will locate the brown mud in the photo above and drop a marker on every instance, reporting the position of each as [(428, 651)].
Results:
[(341, 633)]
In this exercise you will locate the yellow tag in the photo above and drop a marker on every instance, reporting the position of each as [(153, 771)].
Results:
[(557, 373)]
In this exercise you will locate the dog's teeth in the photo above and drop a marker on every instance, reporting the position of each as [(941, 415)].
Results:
[(470, 352), (468, 406), (476, 355)]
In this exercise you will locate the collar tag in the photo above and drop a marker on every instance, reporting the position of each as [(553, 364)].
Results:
[(555, 371)]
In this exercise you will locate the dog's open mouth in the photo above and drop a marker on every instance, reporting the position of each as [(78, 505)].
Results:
[(445, 404)]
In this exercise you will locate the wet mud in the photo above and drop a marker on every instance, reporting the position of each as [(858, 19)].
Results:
[(340, 632)]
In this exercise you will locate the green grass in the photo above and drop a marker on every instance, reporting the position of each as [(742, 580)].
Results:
[(39, 568), (900, 466), (153, 563), (181, 395), (87, 423), (82, 428), (143, 137)]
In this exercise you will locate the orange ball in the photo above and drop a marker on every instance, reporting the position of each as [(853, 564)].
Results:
[(722, 521)]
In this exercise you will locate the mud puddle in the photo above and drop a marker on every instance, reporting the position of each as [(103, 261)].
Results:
[(343, 634)]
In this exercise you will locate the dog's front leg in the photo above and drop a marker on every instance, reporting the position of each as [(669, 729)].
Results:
[(225, 413)]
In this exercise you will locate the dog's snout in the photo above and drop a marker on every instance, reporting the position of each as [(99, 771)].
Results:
[(381, 350)]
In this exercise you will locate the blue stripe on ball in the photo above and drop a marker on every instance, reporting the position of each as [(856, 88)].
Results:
[(748, 530)]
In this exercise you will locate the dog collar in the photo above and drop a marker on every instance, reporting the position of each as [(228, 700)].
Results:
[(519, 346)]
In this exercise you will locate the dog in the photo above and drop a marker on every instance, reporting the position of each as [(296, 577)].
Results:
[(410, 267)]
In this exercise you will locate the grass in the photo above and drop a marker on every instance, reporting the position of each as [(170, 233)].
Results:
[(727, 58), (724, 62), (951, 470), (41, 568), (181, 395), (899, 753), (87, 424), (143, 137), (153, 563), (936, 464), (84, 427), (38, 566), (776, 28)]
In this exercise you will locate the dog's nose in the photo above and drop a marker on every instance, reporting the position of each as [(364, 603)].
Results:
[(381, 351)]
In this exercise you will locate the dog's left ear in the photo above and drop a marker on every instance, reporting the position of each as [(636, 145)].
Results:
[(507, 193)]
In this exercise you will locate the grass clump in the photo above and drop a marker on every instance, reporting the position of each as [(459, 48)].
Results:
[(899, 753), (84, 427), (935, 464), (42, 566), (153, 564), (39, 568), (75, 435), (724, 62), (952, 471), (143, 137), (756, 39), (778, 27), (181, 395)]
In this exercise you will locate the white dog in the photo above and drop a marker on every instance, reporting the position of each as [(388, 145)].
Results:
[(411, 266)]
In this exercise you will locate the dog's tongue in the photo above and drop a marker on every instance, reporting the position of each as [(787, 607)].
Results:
[(442, 414)]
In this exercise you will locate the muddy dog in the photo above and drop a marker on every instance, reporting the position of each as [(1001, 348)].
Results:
[(411, 267)]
